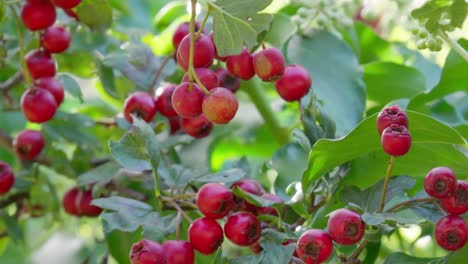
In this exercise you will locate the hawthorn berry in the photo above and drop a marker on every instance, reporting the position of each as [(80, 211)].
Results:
[(457, 204), (187, 100), (440, 182), (294, 84), (451, 232), (179, 252), (70, 200), (38, 105), (391, 115), (314, 246), (174, 124), (66, 3), (40, 64), (241, 65), (216, 55), (268, 209), (346, 227), (220, 106), (269, 64), (396, 140), (203, 52), (141, 104), (7, 177), (164, 100), (207, 77), (53, 86), (205, 235), (197, 127), (183, 30), (227, 80), (147, 252), (84, 207), (28, 144), (55, 39), (214, 200), (38, 15), (242, 228)]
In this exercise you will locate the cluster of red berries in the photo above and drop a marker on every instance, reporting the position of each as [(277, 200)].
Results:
[(392, 125), (77, 202), (451, 232)]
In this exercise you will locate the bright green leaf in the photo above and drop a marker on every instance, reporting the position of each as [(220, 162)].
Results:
[(96, 14)]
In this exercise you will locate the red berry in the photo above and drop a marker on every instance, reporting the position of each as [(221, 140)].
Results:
[(182, 31), (203, 52), (183, 64), (179, 252), (141, 104), (53, 86), (164, 100), (227, 81), (242, 228), (269, 64), (220, 106), (458, 203), (346, 227), (206, 235), (147, 252), (40, 64), (7, 178), (216, 56), (214, 200), (250, 186), (187, 100), (314, 246), (294, 84), (84, 207), (241, 65), (391, 115), (207, 77), (70, 201), (28, 144), (66, 3), (451, 232), (266, 209), (55, 39), (197, 127), (38, 15), (396, 140), (174, 124), (38, 105), (440, 182)]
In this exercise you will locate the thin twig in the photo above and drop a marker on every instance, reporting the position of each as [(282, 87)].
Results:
[(12, 81), (13, 199), (352, 259), (409, 202), (177, 207), (455, 46), (159, 72), (387, 177)]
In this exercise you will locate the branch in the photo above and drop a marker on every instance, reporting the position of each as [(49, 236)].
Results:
[(13, 199), (410, 202), (6, 141), (354, 257), (455, 46), (12, 81), (159, 72)]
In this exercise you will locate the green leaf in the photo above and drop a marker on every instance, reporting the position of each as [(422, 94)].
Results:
[(120, 243), (252, 198), (324, 56), (458, 12), (229, 175), (13, 228), (281, 30), (432, 146), (101, 174), (431, 10), (236, 24), (399, 258), (107, 78), (96, 14), (176, 176), (274, 251), (167, 14), (289, 161), (71, 85)]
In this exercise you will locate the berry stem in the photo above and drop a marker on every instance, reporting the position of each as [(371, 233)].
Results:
[(455, 46), (200, 30), (193, 74), (176, 206), (256, 93), (159, 72), (26, 75), (410, 202), (192, 38), (387, 177), (352, 259)]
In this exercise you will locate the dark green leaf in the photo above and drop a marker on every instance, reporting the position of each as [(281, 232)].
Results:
[(71, 86), (101, 174), (107, 78), (229, 175), (399, 258), (176, 176), (13, 228), (96, 14), (289, 161), (274, 250)]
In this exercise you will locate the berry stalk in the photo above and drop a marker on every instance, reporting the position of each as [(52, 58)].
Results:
[(22, 54), (387, 177), (455, 46)]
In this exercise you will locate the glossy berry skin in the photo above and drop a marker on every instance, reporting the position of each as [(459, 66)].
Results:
[(141, 104), (227, 80), (40, 64), (266, 209), (214, 200), (314, 246), (174, 124), (458, 203), (28, 144), (183, 30), (269, 64), (197, 127), (440, 182), (38, 105), (7, 178), (242, 228), (220, 106), (37, 15), (147, 252), (70, 201), (396, 140), (179, 252), (241, 65), (216, 55), (451, 232), (205, 235), (294, 84), (203, 52), (164, 100), (187, 103), (391, 115), (55, 39), (207, 77), (85, 208), (346, 227), (66, 3), (53, 86)]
